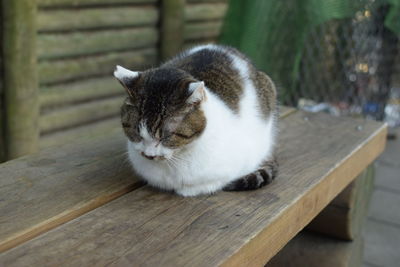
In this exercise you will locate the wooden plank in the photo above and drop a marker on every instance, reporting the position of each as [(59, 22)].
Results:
[(80, 114), (348, 167), (75, 3), (205, 11), (312, 250), (21, 103), (344, 217), (102, 127), (58, 45), (60, 184), (82, 176), (78, 92), (96, 18), (232, 229), (172, 21), (202, 30), (83, 133), (77, 68)]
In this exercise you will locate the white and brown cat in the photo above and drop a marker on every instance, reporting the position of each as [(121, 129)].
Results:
[(201, 122)]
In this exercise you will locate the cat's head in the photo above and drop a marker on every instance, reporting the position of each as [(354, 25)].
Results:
[(162, 113)]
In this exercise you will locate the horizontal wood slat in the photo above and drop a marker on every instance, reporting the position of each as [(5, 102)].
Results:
[(67, 94), (60, 184), (55, 3), (58, 45), (209, 11), (96, 18), (26, 182), (77, 68), (236, 229), (202, 30), (80, 114), (82, 133)]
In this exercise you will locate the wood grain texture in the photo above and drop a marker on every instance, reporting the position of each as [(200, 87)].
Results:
[(172, 21), (202, 30), (82, 133), (21, 105), (45, 190), (93, 130), (344, 217), (96, 18), (313, 250), (205, 11), (325, 190), (75, 3), (85, 67), (319, 157), (61, 45), (78, 92), (80, 114)]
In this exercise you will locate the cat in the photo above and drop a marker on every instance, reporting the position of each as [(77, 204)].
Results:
[(203, 121)]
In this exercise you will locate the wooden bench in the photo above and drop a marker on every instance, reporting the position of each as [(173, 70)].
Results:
[(79, 205)]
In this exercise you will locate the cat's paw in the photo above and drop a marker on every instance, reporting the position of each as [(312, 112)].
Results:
[(254, 180)]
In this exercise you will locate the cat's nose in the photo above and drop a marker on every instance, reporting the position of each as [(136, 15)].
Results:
[(147, 156)]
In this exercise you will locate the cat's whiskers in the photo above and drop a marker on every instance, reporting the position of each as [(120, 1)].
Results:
[(181, 159), (181, 162), (209, 112), (171, 163)]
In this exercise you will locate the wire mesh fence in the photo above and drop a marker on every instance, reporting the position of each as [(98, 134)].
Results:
[(337, 56), (350, 65)]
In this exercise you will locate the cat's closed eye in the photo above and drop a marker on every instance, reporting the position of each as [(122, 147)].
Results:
[(201, 122), (184, 136)]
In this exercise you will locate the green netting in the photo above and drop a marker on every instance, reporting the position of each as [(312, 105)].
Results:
[(273, 32), (393, 18)]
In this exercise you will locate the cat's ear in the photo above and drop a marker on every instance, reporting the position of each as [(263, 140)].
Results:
[(126, 77), (197, 92)]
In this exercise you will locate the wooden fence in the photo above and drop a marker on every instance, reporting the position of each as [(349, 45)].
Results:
[(58, 57)]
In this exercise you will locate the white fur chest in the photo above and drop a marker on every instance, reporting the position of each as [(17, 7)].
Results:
[(231, 146)]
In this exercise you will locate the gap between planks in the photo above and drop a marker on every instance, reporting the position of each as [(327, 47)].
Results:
[(63, 217), (274, 220), (79, 209)]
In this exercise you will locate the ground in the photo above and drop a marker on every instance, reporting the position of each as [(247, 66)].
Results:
[(382, 227)]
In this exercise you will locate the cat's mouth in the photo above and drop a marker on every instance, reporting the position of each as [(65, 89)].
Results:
[(152, 157)]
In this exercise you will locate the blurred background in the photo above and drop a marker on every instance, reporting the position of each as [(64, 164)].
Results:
[(340, 54), (336, 56)]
